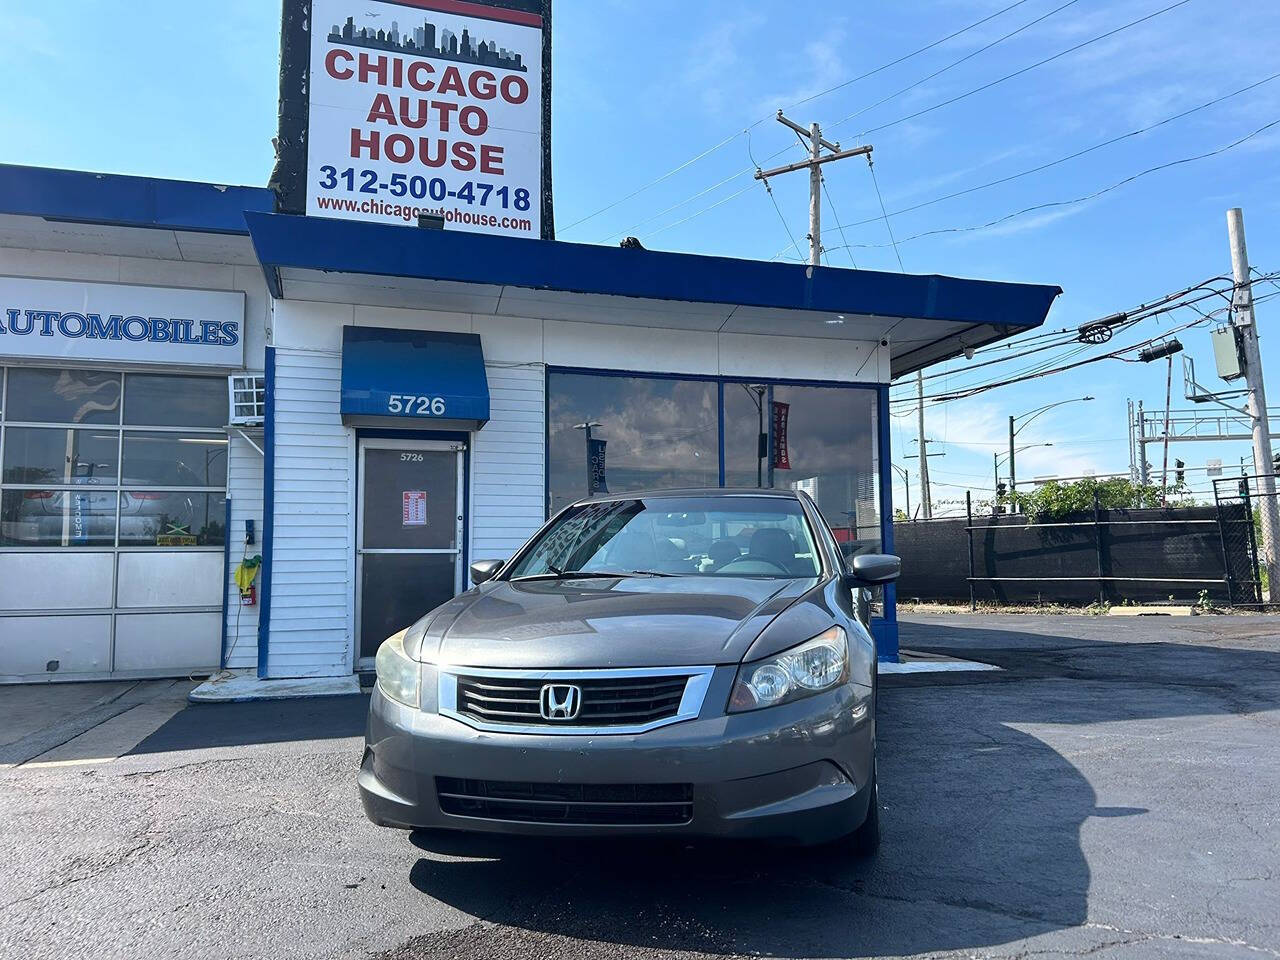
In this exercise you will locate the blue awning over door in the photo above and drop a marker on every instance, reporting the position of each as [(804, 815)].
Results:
[(415, 377)]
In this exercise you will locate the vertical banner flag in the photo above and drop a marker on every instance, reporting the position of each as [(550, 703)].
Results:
[(395, 109), (781, 456), (595, 451)]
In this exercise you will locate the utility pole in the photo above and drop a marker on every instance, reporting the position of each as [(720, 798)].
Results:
[(815, 143), (926, 495), (1242, 319)]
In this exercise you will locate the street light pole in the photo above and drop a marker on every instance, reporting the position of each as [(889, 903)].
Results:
[(1013, 470), (906, 486), (1014, 430)]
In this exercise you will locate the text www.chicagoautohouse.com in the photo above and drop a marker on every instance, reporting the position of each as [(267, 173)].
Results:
[(409, 213)]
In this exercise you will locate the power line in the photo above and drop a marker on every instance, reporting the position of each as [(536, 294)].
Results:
[(969, 391), (906, 57), (1018, 73), (1072, 156), (840, 86), (1086, 198), (839, 226), (887, 225), (1137, 314), (956, 63)]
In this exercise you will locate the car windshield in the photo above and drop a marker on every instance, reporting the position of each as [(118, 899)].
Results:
[(733, 536)]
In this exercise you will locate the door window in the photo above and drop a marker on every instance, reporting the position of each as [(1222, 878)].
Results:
[(409, 549)]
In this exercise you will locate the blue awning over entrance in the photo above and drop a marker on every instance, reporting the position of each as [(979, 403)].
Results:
[(414, 377)]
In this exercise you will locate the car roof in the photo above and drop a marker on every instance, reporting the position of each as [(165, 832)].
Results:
[(693, 492)]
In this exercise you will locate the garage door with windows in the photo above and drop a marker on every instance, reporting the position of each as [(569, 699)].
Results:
[(112, 522)]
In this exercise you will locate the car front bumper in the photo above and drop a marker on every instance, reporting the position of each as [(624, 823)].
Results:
[(800, 772)]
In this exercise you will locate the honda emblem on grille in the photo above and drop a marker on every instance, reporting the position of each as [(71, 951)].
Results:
[(560, 701)]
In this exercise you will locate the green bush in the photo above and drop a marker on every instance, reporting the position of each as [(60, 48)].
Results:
[(1054, 500)]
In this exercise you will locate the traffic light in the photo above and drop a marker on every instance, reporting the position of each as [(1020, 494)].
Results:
[(1002, 489), (1179, 472)]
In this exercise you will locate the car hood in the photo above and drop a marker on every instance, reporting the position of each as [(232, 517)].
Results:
[(601, 623)]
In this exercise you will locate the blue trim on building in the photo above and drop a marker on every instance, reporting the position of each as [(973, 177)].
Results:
[(343, 246), (886, 629), (226, 584), (123, 201), (268, 507)]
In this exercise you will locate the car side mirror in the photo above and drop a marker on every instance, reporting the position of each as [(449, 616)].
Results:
[(483, 570), (873, 569)]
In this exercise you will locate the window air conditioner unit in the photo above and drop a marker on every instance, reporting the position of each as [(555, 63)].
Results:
[(248, 395)]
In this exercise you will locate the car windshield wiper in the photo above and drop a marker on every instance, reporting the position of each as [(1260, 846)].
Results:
[(557, 574)]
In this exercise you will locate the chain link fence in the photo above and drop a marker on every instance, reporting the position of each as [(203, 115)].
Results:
[(1238, 501)]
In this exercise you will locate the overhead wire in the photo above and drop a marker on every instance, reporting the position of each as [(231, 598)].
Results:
[(1017, 73), (1056, 204), (774, 200), (822, 93), (778, 153), (1073, 156), (1137, 316), (955, 63)]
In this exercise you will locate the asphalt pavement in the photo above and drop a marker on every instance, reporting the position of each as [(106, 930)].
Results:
[(1110, 792)]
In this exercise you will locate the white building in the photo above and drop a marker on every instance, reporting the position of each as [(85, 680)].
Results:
[(420, 391)]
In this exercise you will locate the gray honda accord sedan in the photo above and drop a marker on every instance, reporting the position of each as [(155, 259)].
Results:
[(686, 663)]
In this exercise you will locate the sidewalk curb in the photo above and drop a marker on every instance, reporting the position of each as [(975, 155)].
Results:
[(244, 688)]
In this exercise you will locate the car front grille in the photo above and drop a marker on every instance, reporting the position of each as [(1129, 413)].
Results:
[(606, 701), (586, 804)]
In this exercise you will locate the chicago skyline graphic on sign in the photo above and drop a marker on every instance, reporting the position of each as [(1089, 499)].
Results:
[(430, 40)]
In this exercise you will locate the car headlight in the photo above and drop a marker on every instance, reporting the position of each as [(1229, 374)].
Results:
[(398, 676), (815, 665)]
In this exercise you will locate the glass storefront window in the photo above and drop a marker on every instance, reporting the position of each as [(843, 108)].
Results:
[(66, 486), (155, 400), (821, 440), (63, 396), (666, 432), (57, 518), (659, 433), (175, 459), (38, 455), (171, 518)]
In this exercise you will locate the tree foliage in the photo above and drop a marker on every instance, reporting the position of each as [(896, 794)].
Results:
[(1053, 500)]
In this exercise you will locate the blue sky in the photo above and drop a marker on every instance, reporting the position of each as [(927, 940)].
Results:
[(642, 88)]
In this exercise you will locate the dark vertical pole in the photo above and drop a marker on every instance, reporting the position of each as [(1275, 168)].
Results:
[(1222, 540), (762, 446), (1254, 566), (587, 432), (1013, 470), (1097, 540), (968, 529)]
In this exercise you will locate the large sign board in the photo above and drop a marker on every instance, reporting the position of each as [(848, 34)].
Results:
[(119, 323), (391, 109)]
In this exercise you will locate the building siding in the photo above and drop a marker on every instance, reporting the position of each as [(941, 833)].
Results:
[(244, 488), (313, 556), (508, 489), (312, 629)]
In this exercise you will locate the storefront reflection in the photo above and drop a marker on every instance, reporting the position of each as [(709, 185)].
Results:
[(665, 432)]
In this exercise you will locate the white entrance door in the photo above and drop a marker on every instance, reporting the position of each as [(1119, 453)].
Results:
[(408, 535)]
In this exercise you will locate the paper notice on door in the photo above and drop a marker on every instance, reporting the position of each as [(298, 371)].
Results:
[(415, 508)]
